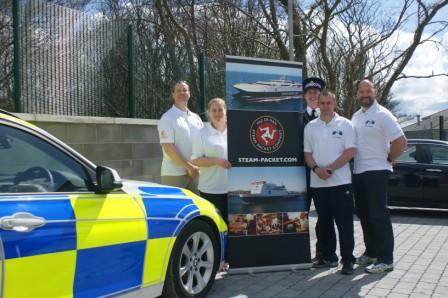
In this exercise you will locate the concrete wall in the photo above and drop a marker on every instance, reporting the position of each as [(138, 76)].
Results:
[(131, 146)]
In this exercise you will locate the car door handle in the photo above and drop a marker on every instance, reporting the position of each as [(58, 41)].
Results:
[(21, 222), (434, 170)]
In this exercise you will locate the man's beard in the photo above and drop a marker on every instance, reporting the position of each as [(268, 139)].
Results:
[(368, 103)]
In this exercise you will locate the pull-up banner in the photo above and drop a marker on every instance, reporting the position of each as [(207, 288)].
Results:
[(268, 217)]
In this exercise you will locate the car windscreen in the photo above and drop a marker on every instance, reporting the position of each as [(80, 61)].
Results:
[(30, 164)]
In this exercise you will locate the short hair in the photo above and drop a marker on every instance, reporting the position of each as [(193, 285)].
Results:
[(173, 87), (327, 93), (216, 100), (365, 81)]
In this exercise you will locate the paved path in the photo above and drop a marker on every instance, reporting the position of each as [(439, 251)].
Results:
[(421, 267)]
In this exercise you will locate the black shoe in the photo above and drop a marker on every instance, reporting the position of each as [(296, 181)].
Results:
[(347, 268), (322, 263), (315, 259)]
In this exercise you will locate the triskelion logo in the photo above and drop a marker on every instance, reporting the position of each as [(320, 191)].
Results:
[(267, 134)]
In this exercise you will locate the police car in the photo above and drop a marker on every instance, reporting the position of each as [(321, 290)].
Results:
[(70, 228)]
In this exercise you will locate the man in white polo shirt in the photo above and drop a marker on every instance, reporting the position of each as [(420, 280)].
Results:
[(311, 90), (176, 128), (329, 144), (380, 141)]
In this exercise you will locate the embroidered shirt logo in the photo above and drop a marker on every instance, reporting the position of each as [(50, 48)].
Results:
[(337, 133), (370, 123)]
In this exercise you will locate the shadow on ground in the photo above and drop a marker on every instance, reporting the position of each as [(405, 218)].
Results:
[(300, 283)]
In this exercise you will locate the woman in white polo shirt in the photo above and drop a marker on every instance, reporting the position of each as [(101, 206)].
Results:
[(210, 155)]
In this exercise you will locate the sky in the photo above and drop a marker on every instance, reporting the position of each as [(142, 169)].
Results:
[(424, 96), (421, 96), (418, 96), (415, 96)]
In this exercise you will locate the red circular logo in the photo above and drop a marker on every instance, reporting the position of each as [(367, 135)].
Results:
[(267, 134)]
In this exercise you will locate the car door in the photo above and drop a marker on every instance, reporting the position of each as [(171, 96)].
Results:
[(405, 182), (60, 238), (435, 177)]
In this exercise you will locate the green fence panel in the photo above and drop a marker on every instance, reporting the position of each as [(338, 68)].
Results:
[(78, 63)]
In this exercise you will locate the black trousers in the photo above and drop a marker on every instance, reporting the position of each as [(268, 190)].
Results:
[(371, 207), (309, 197), (335, 204), (219, 200)]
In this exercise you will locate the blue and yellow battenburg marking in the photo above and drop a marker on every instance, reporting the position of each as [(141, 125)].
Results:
[(104, 243), (32, 259), (168, 210)]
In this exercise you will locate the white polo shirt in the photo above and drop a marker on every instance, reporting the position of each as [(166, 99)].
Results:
[(375, 129), (327, 142), (177, 127), (209, 142)]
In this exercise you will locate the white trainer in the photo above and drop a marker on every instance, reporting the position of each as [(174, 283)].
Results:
[(379, 268)]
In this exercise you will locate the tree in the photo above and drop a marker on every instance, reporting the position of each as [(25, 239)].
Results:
[(340, 40), (344, 41), (352, 43)]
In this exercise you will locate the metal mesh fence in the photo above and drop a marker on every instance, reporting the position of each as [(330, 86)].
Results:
[(67, 57), (6, 74), (74, 63)]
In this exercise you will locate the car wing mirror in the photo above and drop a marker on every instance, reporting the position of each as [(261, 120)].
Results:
[(107, 180)]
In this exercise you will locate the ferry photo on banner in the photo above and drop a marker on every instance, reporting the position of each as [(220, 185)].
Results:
[(268, 219), (255, 84)]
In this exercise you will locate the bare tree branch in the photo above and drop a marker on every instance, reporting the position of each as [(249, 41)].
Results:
[(404, 76)]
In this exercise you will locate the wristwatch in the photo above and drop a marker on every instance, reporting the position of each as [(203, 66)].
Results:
[(314, 168)]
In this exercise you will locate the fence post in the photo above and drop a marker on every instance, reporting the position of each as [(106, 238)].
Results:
[(16, 63), (131, 70), (202, 83), (441, 129)]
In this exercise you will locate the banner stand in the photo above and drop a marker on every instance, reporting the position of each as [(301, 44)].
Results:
[(262, 269), (267, 219)]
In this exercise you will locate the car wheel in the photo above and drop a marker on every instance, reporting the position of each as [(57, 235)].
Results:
[(193, 263)]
